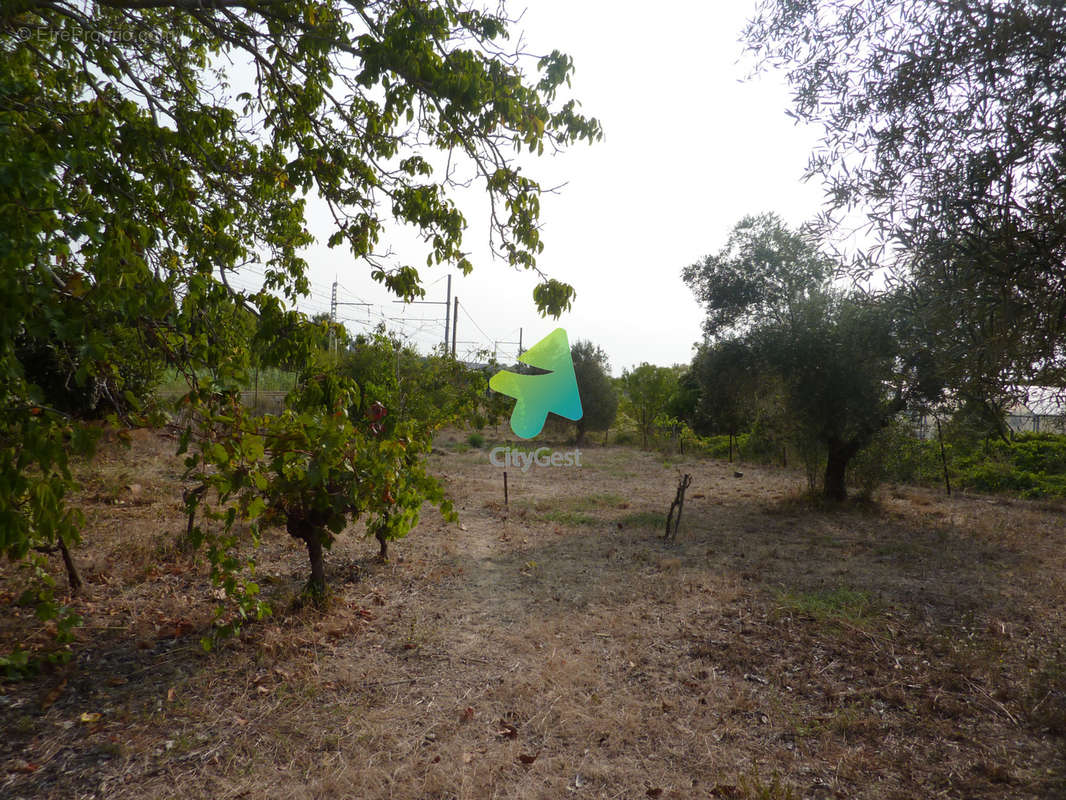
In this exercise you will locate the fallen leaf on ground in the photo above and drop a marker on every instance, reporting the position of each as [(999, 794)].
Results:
[(53, 695)]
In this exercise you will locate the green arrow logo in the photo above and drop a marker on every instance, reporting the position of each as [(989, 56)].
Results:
[(538, 395)]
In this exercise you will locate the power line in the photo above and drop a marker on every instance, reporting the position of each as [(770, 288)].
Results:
[(482, 330), (333, 303), (447, 302)]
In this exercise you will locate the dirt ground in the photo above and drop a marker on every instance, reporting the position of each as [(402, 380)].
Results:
[(556, 647)]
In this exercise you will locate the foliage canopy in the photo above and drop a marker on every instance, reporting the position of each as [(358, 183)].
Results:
[(599, 400), (646, 394), (833, 357), (151, 149), (940, 125)]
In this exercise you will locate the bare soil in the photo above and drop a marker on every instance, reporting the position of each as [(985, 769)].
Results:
[(556, 647)]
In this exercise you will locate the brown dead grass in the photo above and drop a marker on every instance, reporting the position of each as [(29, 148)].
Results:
[(556, 647)]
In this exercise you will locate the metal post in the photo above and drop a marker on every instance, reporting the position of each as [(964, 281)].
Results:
[(333, 320), (333, 317), (446, 303), (455, 323), (447, 311)]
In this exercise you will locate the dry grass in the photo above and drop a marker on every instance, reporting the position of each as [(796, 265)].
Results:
[(556, 648)]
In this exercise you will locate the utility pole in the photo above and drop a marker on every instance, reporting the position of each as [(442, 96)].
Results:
[(447, 303), (333, 303), (447, 309), (455, 323), (332, 319), (498, 342)]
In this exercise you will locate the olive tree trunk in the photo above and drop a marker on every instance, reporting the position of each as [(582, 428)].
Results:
[(836, 467)]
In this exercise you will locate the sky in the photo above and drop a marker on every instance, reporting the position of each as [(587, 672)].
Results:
[(689, 148)]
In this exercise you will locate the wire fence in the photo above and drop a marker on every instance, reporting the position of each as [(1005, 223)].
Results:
[(925, 425), (1037, 423)]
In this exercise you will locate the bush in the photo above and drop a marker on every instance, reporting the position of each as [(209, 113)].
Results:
[(1035, 452), (768, 437), (1033, 465), (625, 430), (896, 454), (999, 476), (718, 446), (476, 440), (715, 446)]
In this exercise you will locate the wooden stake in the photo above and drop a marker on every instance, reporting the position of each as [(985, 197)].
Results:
[(73, 578), (943, 457), (679, 504), (505, 487)]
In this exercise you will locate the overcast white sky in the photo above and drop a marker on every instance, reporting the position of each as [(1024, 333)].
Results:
[(688, 149)]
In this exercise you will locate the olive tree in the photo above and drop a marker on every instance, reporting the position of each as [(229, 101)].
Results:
[(599, 400), (728, 383), (835, 357), (940, 127)]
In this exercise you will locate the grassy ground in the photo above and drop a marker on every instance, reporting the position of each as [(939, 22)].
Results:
[(556, 647)]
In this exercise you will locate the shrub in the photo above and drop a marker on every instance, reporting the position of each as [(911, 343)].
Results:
[(718, 446), (1036, 452), (896, 454), (1000, 476), (475, 440), (768, 436)]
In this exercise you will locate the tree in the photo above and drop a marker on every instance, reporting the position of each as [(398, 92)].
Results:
[(417, 396), (838, 364), (684, 405), (939, 125), (728, 382), (762, 273), (137, 182), (835, 356), (351, 444), (647, 391), (313, 467), (599, 400), (53, 367)]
